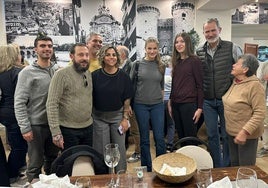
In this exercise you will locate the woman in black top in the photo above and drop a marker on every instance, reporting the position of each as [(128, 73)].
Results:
[(9, 58), (112, 90)]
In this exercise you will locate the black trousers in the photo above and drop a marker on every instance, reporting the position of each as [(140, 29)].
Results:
[(183, 118), (4, 178)]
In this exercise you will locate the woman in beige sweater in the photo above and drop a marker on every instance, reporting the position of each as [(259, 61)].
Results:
[(244, 109)]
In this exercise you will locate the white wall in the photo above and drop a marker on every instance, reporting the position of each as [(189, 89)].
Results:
[(241, 41), (3, 39)]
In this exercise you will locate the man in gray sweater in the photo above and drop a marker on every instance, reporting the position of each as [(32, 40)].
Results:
[(30, 108)]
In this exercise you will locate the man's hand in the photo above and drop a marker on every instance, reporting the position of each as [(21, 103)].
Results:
[(58, 141), (28, 136)]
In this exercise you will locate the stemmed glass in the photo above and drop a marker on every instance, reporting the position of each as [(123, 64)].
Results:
[(203, 177), (246, 178), (111, 158)]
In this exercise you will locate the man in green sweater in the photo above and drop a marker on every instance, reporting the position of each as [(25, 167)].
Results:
[(69, 103)]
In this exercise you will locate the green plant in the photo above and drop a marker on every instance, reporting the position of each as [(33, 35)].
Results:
[(194, 37)]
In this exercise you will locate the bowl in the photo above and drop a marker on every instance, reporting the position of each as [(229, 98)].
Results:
[(174, 160)]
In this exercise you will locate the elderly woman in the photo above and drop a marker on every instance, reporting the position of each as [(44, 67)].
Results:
[(244, 109), (112, 90)]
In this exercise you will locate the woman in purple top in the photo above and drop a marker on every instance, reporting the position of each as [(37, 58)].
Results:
[(186, 98)]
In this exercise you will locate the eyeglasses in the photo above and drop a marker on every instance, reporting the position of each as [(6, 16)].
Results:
[(85, 80)]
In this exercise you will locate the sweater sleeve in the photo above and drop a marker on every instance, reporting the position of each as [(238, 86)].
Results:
[(257, 102), (54, 94), (22, 96), (198, 76)]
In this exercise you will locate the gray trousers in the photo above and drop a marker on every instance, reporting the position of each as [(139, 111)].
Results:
[(41, 151), (105, 131), (243, 155)]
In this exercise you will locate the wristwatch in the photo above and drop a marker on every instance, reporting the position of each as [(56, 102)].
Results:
[(57, 137)]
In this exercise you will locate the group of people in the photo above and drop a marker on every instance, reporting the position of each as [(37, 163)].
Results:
[(234, 100), (49, 109)]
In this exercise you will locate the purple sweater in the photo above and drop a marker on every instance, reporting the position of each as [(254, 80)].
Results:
[(187, 82)]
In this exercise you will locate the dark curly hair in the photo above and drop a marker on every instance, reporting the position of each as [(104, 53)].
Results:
[(102, 53), (42, 36)]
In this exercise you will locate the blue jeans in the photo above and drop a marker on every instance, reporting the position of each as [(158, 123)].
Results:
[(169, 126), (213, 109), (17, 155), (156, 114)]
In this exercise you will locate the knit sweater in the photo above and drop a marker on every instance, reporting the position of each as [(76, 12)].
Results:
[(31, 96), (244, 107), (187, 82), (150, 84), (69, 102)]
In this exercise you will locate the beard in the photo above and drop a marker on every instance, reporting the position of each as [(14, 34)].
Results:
[(79, 68), (213, 40)]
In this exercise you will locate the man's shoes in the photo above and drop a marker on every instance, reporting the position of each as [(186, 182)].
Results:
[(262, 153), (135, 157), (20, 181)]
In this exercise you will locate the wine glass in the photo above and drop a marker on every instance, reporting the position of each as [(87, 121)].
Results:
[(246, 178), (203, 177), (111, 158)]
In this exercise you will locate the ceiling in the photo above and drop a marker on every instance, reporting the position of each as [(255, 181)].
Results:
[(223, 4), (258, 32)]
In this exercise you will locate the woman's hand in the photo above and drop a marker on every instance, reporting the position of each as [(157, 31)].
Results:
[(241, 137), (197, 115), (125, 125)]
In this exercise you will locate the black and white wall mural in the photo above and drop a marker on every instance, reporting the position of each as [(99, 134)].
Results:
[(255, 13), (126, 22)]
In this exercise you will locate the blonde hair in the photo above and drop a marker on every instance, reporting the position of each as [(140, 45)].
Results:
[(8, 57), (161, 66)]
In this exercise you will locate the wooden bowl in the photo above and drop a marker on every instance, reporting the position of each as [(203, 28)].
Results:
[(174, 160)]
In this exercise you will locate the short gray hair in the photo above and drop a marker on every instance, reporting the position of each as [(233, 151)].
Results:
[(90, 35), (124, 49), (211, 20), (251, 62)]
